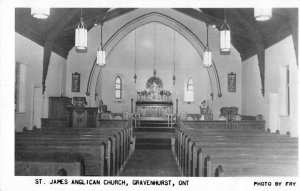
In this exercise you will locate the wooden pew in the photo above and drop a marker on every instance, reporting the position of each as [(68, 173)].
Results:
[(114, 145), (190, 153), (49, 165), (118, 139), (188, 146), (93, 153), (181, 142)]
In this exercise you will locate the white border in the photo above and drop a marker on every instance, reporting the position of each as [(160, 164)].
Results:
[(7, 59)]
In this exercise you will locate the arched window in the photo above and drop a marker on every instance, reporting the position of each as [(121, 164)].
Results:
[(190, 85), (118, 88), (189, 91)]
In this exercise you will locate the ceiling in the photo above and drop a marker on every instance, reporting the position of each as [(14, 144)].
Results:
[(247, 34)]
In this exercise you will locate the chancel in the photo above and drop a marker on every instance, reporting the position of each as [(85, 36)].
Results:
[(169, 92)]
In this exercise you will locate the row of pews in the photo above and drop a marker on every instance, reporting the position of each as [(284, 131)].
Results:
[(73, 151), (214, 151)]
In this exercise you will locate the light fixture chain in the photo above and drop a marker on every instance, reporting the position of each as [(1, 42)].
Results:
[(154, 46), (207, 35), (101, 25), (174, 52), (135, 76)]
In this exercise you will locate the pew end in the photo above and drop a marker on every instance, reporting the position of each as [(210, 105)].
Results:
[(219, 171)]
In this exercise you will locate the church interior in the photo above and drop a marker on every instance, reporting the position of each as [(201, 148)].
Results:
[(156, 92)]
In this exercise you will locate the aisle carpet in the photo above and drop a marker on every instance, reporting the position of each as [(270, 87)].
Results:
[(151, 162)]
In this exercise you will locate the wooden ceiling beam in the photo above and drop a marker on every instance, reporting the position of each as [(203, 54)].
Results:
[(104, 15), (293, 25), (49, 42), (46, 61), (259, 44), (69, 16), (25, 30), (213, 20), (89, 22), (114, 14)]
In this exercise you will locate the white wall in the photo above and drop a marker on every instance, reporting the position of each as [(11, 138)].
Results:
[(188, 63), (253, 103), (31, 55)]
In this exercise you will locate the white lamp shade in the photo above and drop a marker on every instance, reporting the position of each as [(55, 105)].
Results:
[(101, 57), (262, 14), (207, 62), (225, 39), (81, 38), (40, 13)]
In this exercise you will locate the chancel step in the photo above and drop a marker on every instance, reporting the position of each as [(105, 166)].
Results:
[(154, 123), (154, 129), (153, 143)]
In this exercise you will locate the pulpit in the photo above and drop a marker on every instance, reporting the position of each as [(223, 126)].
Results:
[(81, 116)]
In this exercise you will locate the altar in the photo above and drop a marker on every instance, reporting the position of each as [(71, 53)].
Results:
[(154, 101), (154, 108)]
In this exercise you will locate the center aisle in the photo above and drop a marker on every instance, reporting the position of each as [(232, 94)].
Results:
[(151, 162), (153, 154)]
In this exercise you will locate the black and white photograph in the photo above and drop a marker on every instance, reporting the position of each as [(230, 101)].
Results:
[(151, 96)]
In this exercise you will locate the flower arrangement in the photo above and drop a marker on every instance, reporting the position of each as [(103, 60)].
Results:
[(144, 93), (167, 93)]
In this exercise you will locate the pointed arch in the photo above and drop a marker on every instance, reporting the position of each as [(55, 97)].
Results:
[(189, 90), (143, 20), (190, 84), (118, 88)]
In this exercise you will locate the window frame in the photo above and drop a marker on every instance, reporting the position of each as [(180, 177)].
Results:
[(118, 89), (190, 83), (189, 89)]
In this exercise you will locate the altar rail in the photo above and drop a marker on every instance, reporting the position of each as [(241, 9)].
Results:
[(243, 124)]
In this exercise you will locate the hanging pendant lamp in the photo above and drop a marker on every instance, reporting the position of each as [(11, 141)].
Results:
[(40, 13), (207, 58), (225, 39), (262, 14), (81, 35), (100, 52)]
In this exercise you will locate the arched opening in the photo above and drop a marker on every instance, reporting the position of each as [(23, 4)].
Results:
[(140, 21), (118, 88)]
